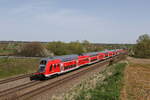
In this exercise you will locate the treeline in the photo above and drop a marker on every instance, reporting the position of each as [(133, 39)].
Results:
[(43, 49), (61, 48), (55, 48), (142, 48)]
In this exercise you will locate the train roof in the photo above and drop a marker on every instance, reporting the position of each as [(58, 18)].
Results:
[(103, 51), (75, 56), (91, 53), (62, 58), (106, 51)]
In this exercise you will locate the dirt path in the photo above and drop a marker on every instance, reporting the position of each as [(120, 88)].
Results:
[(136, 80), (138, 60)]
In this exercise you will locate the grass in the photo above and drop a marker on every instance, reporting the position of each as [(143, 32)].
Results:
[(6, 52), (137, 87), (15, 66), (105, 85)]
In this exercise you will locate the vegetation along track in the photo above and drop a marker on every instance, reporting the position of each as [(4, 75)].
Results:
[(14, 78), (61, 81), (36, 91)]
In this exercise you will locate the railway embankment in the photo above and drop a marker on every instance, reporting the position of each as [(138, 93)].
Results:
[(103, 85)]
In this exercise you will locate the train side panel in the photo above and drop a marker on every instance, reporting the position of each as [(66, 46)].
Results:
[(93, 59), (101, 56), (53, 67), (69, 65)]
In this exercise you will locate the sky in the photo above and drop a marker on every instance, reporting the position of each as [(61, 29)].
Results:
[(98, 21)]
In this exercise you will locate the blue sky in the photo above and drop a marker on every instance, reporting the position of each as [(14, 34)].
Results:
[(99, 21)]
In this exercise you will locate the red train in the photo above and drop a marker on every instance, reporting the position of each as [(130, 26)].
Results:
[(61, 64)]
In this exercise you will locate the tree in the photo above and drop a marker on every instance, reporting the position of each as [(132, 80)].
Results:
[(142, 48), (58, 48), (62, 48), (143, 38), (32, 49), (87, 45), (75, 47)]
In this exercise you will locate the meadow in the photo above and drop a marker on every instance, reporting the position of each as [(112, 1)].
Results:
[(16, 66)]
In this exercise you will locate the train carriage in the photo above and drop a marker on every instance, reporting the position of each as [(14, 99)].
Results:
[(93, 57)]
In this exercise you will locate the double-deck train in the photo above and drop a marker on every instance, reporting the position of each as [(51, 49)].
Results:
[(60, 64)]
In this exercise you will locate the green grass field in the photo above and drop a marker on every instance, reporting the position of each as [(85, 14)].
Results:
[(16, 66)]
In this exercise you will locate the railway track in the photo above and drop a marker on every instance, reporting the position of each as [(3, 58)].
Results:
[(38, 90), (18, 88), (14, 78)]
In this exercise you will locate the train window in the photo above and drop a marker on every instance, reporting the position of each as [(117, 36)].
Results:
[(55, 65), (41, 69), (50, 69), (93, 60), (43, 62)]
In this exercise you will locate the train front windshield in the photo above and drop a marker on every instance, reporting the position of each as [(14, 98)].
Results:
[(42, 66)]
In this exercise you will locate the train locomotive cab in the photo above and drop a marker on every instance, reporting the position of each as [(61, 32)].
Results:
[(39, 75)]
